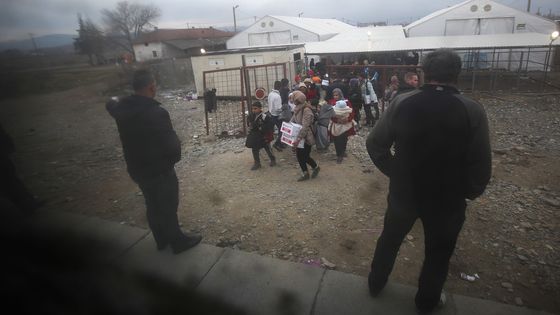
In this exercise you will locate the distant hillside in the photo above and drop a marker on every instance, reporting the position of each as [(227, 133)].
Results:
[(47, 41)]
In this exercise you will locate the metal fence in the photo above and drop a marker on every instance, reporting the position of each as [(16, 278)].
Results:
[(234, 91), (506, 69)]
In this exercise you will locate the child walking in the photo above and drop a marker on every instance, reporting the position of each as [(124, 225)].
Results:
[(261, 127)]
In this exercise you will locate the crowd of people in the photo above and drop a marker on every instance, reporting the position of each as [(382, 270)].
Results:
[(329, 110)]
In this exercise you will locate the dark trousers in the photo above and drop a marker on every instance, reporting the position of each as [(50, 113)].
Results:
[(357, 114), (441, 230), (369, 116), (278, 123), (340, 143), (13, 189), (162, 199), (304, 157), (257, 157)]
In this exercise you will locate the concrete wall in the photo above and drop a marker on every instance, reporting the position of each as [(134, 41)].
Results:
[(145, 53)]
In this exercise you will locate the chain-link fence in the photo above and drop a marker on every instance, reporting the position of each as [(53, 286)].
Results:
[(228, 93)]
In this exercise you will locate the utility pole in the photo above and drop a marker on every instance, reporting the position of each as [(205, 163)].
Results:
[(33, 42), (528, 5), (234, 21)]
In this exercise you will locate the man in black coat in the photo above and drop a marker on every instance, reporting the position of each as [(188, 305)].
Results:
[(11, 187), (151, 149), (441, 157)]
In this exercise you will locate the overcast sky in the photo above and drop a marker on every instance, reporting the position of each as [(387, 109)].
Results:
[(18, 18)]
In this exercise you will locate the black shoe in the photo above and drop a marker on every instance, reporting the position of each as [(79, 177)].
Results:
[(161, 245), (256, 166), (374, 289), (441, 303), (315, 172), (339, 160), (273, 162), (185, 242), (277, 147), (303, 177)]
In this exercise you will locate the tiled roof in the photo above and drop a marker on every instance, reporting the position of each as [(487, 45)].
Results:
[(187, 33)]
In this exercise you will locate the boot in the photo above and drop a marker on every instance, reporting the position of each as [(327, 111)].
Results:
[(185, 242), (304, 176), (256, 166), (272, 162), (315, 172)]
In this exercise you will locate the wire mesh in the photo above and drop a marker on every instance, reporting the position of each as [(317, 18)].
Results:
[(226, 117)]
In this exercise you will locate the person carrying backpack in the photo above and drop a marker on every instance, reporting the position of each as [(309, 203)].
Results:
[(261, 127)]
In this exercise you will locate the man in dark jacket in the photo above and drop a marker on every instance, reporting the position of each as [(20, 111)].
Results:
[(151, 149), (441, 156), (11, 187)]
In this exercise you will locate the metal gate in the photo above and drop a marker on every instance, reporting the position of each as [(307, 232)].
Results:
[(229, 93)]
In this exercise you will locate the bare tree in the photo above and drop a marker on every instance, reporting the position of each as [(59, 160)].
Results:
[(129, 20)]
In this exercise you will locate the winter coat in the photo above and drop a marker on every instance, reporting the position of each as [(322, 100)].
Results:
[(149, 143), (261, 129), (441, 149), (303, 115)]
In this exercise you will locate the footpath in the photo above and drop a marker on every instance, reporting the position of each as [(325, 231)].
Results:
[(253, 284)]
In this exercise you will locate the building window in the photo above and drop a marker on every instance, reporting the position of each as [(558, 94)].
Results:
[(154, 53), (263, 24), (271, 24), (487, 7), (520, 27), (295, 37), (474, 8)]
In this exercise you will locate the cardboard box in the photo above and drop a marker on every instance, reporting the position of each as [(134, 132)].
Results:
[(290, 132)]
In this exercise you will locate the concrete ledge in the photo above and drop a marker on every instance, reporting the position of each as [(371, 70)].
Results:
[(187, 268), (262, 285)]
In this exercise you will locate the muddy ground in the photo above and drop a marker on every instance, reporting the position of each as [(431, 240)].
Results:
[(68, 151)]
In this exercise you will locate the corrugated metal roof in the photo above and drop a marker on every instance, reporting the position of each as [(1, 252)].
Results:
[(195, 43), (430, 43), (317, 26), (162, 34)]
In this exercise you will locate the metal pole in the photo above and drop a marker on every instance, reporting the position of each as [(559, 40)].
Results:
[(205, 111), (528, 5), (234, 20), (546, 63)]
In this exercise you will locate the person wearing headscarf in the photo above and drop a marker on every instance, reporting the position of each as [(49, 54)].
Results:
[(303, 115), (342, 124)]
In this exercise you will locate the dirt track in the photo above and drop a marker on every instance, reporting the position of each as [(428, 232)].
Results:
[(69, 153)]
